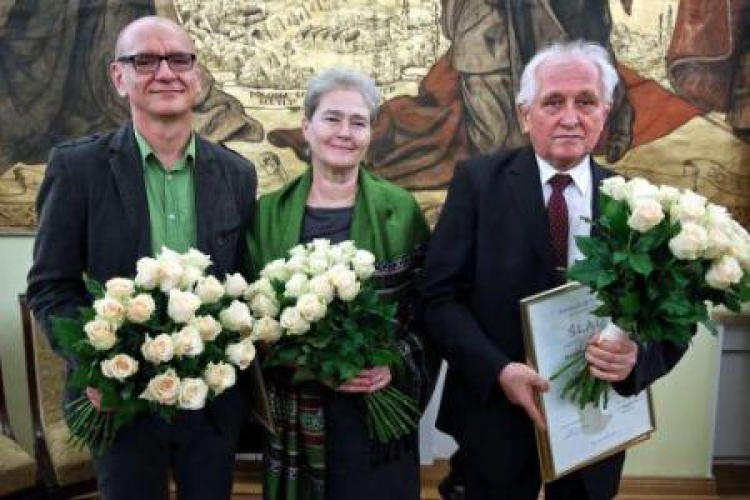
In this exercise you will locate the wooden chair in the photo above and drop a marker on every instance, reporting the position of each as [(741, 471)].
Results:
[(64, 469), (18, 477)]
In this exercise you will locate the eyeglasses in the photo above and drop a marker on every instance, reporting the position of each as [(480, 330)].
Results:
[(145, 64)]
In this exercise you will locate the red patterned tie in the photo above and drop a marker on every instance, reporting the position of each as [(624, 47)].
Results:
[(557, 213)]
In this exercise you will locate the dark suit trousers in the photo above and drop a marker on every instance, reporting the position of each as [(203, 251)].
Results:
[(137, 465), (598, 481)]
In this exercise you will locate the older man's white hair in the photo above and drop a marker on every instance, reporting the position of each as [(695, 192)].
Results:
[(580, 49)]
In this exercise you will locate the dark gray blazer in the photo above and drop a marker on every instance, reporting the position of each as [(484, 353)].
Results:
[(490, 249), (93, 218)]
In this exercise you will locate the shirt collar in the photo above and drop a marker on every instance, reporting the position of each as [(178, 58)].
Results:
[(581, 173), (147, 153)]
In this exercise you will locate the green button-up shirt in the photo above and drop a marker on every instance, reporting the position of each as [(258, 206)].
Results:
[(171, 198)]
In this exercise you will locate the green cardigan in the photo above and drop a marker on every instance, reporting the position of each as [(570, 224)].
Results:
[(386, 221)]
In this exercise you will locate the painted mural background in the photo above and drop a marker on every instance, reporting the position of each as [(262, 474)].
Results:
[(447, 70)]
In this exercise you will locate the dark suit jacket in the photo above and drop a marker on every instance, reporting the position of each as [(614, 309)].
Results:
[(93, 218), (490, 249)]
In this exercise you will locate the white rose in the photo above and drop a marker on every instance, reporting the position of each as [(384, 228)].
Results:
[(668, 195), (311, 307), (345, 281), (159, 349), (614, 187), (163, 388), (188, 342), (261, 286), (101, 334), (740, 247), (348, 248), (110, 309), (363, 263), (296, 286), (166, 254), (690, 243), (241, 354), (235, 285), (120, 288), (220, 376), (193, 392), (296, 250), (690, 207), (267, 329), (190, 275), (322, 287), (296, 264), (262, 305), (182, 305), (718, 217), (719, 243), (724, 273), (120, 367), (646, 214), (292, 321), (236, 317), (275, 270), (640, 189), (195, 258), (337, 256), (209, 290), (321, 245), (147, 275), (317, 263), (207, 326), (140, 308), (170, 275)]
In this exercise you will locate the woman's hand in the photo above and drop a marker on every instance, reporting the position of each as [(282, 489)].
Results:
[(367, 381), (95, 397)]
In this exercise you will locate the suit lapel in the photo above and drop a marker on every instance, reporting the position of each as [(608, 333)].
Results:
[(128, 174), (209, 194), (526, 192)]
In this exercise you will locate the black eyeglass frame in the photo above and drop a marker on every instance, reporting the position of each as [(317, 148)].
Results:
[(158, 58)]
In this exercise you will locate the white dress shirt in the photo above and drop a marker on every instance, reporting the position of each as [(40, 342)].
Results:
[(577, 197)]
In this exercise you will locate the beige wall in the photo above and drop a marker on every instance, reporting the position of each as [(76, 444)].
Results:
[(15, 261), (684, 407)]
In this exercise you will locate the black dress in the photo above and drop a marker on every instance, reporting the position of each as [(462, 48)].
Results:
[(356, 467)]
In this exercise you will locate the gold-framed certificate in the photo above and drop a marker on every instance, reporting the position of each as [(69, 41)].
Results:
[(557, 325)]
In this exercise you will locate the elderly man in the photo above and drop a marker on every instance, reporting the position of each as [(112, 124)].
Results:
[(506, 232), (108, 200)]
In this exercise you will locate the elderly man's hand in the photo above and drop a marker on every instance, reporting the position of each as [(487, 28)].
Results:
[(518, 382), (611, 359)]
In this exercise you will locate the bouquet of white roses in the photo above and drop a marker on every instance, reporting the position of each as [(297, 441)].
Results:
[(660, 257), (171, 339), (321, 316)]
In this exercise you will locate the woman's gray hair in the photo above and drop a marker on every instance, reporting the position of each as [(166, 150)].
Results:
[(337, 79), (590, 51)]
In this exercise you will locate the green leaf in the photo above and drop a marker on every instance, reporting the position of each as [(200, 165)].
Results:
[(605, 278), (93, 287), (641, 263), (630, 304)]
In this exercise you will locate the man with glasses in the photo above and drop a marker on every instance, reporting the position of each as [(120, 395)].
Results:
[(108, 200)]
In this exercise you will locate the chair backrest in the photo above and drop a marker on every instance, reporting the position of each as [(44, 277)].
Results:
[(4, 420), (60, 465), (46, 370)]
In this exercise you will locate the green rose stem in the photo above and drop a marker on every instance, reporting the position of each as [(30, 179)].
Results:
[(400, 421), (373, 414), (403, 406)]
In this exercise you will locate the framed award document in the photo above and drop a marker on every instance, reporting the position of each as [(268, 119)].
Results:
[(557, 324)]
